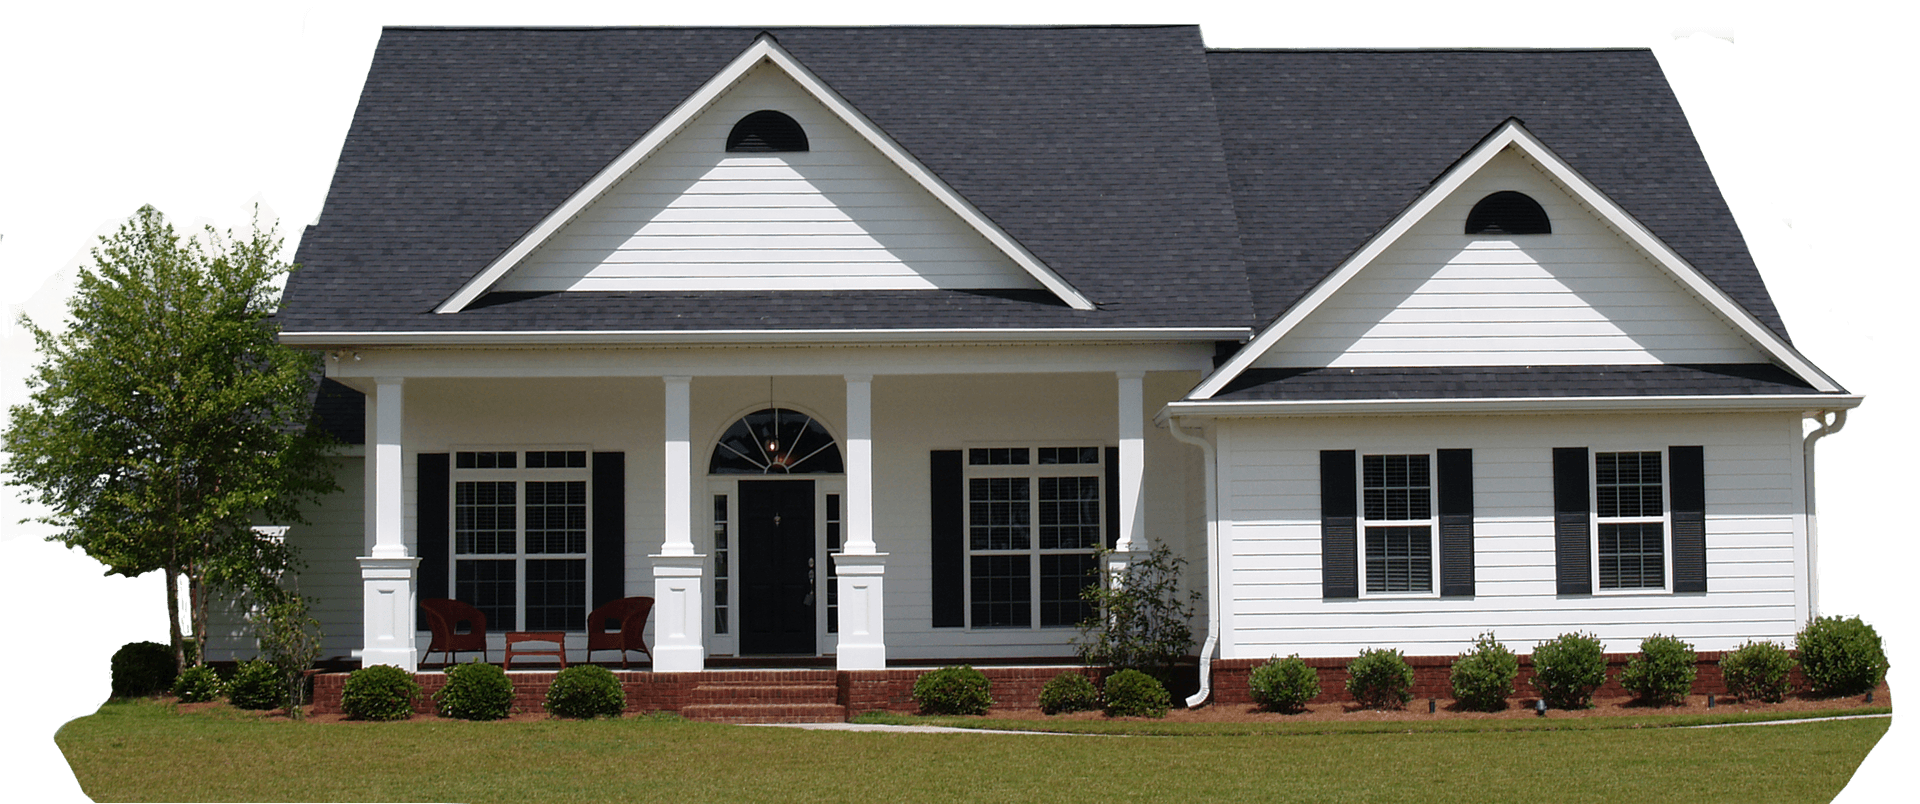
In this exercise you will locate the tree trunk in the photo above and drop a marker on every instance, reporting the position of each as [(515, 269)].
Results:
[(173, 620), (197, 600)]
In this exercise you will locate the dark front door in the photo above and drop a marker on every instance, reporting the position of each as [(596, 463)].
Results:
[(776, 567)]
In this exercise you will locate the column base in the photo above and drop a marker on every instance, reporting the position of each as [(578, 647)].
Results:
[(863, 632), (387, 607), (679, 604)]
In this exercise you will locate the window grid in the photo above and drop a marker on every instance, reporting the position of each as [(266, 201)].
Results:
[(833, 573), (721, 549), (520, 547), (1034, 526), (1629, 491), (1398, 489)]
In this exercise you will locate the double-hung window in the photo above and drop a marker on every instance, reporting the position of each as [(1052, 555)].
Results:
[(1397, 517), (1630, 518), (520, 537), (1034, 524)]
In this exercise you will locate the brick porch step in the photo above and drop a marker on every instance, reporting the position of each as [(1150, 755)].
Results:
[(793, 697), (766, 713), (765, 693)]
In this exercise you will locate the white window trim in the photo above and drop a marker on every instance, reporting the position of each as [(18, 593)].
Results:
[(1431, 523), (1594, 521), (1033, 470), (519, 475)]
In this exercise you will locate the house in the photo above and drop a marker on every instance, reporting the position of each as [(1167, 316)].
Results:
[(861, 344)]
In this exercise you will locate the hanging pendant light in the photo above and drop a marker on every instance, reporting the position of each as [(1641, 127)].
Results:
[(773, 431)]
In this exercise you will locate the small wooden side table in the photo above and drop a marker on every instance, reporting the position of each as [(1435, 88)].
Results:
[(516, 639)]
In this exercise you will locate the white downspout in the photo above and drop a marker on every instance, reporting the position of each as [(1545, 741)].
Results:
[(1827, 427), (1213, 565)]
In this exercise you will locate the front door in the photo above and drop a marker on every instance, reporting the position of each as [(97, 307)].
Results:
[(776, 567)]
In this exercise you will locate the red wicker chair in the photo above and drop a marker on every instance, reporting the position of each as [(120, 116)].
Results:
[(444, 618), (620, 625)]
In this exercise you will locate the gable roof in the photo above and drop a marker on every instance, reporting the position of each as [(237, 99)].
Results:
[(1079, 143)]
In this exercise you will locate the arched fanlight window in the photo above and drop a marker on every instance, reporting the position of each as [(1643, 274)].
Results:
[(766, 131), (775, 441), (1508, 212)]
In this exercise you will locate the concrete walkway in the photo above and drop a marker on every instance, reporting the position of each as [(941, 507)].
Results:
[(1788, 722), (914, 729)]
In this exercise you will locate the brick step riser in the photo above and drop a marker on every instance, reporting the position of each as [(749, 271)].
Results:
[(742, 695), (784, 713)]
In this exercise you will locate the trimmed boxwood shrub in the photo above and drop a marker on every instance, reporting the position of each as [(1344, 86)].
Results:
[(475, 691), (1662, 673), (1380, 679), (1567, 669), (379, 692), (258, 685), (1069, 692), (586, 691), (1284, 685), (1758, 671), (953, 690), (197, 684), (1841, 657), (1482, 678), (140, 669), (1131, 693)]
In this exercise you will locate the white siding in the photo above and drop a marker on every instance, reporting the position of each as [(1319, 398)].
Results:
[(1753, 535), (837, 217), (1582, 295), (328, 545)]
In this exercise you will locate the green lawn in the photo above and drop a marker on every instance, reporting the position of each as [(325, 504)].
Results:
[(143, 750)]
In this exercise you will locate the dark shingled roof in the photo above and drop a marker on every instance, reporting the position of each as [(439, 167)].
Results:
[(1327, 146), (1096, 148), (1490, 382)]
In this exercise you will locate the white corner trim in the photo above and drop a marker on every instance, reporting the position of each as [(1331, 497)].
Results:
[(1211, 409), (1512, 133), (763, 49)]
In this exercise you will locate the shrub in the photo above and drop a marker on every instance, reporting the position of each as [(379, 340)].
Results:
[(1758, 671), (1139, 622), (1380, 678), (585, 691), (289, 639), (1841, 657), (956, 690), (378, 692), (1482, 678), (257, 685), (1069, 692), (1662, 673), (1131, 693), (475, 691), (197, 684), (1567, 669), (141, 669), (1285, 685)]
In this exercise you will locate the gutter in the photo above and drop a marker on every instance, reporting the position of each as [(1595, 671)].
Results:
[(1828, 426), (784, 337), (1213, 564), (1546, 404)]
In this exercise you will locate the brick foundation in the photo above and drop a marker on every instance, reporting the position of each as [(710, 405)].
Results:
[(1431, 678)]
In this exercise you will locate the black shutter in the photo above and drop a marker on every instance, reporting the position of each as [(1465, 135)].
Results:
[(1688, 476), (1113, 496), (430, 518), (949, 547), (1456, 522), (1572, 532), (609, 527), (1339, 556)]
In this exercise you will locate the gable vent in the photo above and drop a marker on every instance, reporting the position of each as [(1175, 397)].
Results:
[(1508, 212), (766, 131)]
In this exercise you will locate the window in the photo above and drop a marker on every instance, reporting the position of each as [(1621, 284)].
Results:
[(722, 550), (775, 441), (1508, 212), (1630, 520), (1397, 518), (766, 131), (520, 537), (1034, 522)]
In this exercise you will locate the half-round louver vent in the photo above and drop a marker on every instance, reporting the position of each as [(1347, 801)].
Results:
[(766, 131), (1508, 212)]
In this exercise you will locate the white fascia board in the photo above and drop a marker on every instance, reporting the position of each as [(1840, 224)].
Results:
[(1512, 133), (791, 337), (1212, 409), (763, 49)]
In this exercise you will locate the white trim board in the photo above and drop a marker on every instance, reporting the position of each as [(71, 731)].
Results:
[(1468, 407), (1513, 134), (764, 49)]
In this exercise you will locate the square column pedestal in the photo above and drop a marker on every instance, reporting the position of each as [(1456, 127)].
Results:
[(387, 607), (678, 602), (863, 630)]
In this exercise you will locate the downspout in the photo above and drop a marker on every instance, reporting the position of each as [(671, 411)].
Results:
[(1827, 427), (1213, 564)]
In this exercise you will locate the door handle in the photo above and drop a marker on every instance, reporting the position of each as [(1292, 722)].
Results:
[(808, 601)]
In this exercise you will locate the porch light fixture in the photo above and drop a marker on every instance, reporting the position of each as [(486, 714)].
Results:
[(773, 431)]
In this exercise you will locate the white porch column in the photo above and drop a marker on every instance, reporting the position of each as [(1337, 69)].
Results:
[(860, 567), (678, 598), (1133, 452), (387, 575)]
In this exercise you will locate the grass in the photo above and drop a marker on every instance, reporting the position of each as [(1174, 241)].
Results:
[(146, 750)]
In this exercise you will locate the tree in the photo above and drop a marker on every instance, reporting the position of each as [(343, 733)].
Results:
[(1139, 621), (166, 419)]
